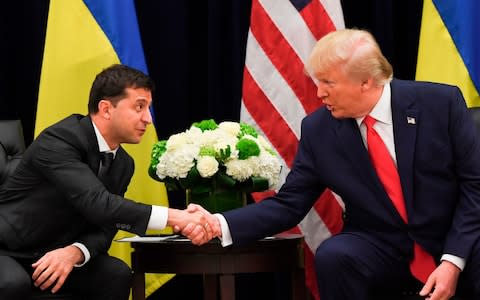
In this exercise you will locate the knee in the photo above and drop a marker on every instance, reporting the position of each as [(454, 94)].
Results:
[(330, 257), (122, 274), (16, 285)]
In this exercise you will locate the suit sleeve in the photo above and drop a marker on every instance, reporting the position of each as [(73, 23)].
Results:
[(62, 161), (98, 240), (287, 208), (465, 229)]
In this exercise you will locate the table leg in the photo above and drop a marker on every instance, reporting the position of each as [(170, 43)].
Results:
[(298, 285), (138, 289), (209, 287), (227, 287)]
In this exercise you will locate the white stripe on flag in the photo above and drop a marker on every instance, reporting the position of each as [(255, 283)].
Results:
[(318, 231), (334, 10), (291, 25), (274, 86)]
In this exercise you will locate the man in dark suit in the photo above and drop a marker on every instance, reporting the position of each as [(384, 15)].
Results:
[(62, 206), (431, 239)]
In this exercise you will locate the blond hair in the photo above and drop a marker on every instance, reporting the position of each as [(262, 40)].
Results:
[(354, 51)]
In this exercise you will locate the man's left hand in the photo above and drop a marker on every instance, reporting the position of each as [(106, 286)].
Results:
[(55, 266), (442, 283)]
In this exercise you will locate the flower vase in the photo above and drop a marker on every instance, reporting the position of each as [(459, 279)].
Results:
[(218, 199)]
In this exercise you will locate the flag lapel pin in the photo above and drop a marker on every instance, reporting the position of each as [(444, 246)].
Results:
[(411, 120)]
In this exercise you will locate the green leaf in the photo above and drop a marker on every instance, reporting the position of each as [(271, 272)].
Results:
[(206, 124), (224, 154), (246, 148), (225, 180), (246, 129)]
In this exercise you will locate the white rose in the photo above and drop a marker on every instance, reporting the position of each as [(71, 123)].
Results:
[(231, 128), (207, 166), (240, 170), (177, 141), (176, 164), (269, 167)]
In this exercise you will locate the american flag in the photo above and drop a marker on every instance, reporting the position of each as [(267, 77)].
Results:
[(277, 95)]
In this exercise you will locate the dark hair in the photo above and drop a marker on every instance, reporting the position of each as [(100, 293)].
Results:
[(110, 84)]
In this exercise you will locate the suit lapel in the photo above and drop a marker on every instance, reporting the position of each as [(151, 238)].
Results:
[(93, 156), (118, 170), (351, 143), (405, 117), (117, 173)]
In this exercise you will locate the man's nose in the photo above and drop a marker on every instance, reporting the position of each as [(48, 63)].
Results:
[(147, 116), (321, 93)]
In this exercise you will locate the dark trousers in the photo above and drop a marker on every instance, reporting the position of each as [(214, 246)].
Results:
[(102, 278), (350, 267)]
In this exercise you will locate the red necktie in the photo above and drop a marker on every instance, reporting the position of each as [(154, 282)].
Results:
[(422, 264)]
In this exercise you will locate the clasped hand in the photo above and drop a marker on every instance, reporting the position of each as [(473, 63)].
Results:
[(198, 225)]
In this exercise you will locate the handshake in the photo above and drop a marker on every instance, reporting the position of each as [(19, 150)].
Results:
[(196, 223)]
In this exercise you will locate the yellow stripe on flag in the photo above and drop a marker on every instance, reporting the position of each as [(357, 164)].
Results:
[(76, 49), (438, 57)]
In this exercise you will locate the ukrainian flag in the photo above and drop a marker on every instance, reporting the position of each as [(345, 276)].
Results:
[(449, 42), (83, 38)]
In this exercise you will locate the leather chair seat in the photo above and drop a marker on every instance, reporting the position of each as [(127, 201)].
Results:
[(12, 147)]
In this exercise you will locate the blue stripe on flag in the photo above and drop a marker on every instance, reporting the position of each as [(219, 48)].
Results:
[(300, 4), (462, 19), (119, 22)]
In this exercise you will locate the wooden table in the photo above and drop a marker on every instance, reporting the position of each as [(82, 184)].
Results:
[(283, 253)]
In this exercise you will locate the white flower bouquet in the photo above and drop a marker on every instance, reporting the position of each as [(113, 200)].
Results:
[(208, 155)]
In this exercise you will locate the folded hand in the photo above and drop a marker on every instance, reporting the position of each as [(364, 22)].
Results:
[(54, 267)]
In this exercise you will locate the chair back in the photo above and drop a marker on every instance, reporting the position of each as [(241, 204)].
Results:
[(12, 147)]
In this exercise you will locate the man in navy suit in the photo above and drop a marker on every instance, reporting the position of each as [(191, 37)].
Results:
[(432, 141), (62, 206)]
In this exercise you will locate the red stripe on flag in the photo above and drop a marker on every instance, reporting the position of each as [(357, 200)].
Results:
[(317, 19), (283, 57), (264, 113)]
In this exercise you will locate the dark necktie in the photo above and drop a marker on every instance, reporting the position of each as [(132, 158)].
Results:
[(106, 159), (422, 264)]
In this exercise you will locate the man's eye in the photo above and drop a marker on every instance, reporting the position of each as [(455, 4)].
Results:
[(327, 82)]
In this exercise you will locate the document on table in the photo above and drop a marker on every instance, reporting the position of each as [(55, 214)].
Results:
[(153, 238)]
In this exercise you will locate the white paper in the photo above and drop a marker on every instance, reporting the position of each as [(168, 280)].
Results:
[(149, 239)]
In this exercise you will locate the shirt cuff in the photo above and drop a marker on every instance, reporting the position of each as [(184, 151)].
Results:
[(158, 218), (458, 261), (86, 254), (226, 238)]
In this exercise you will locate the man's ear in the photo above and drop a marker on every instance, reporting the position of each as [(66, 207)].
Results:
[(367, 84), (104, 107)]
